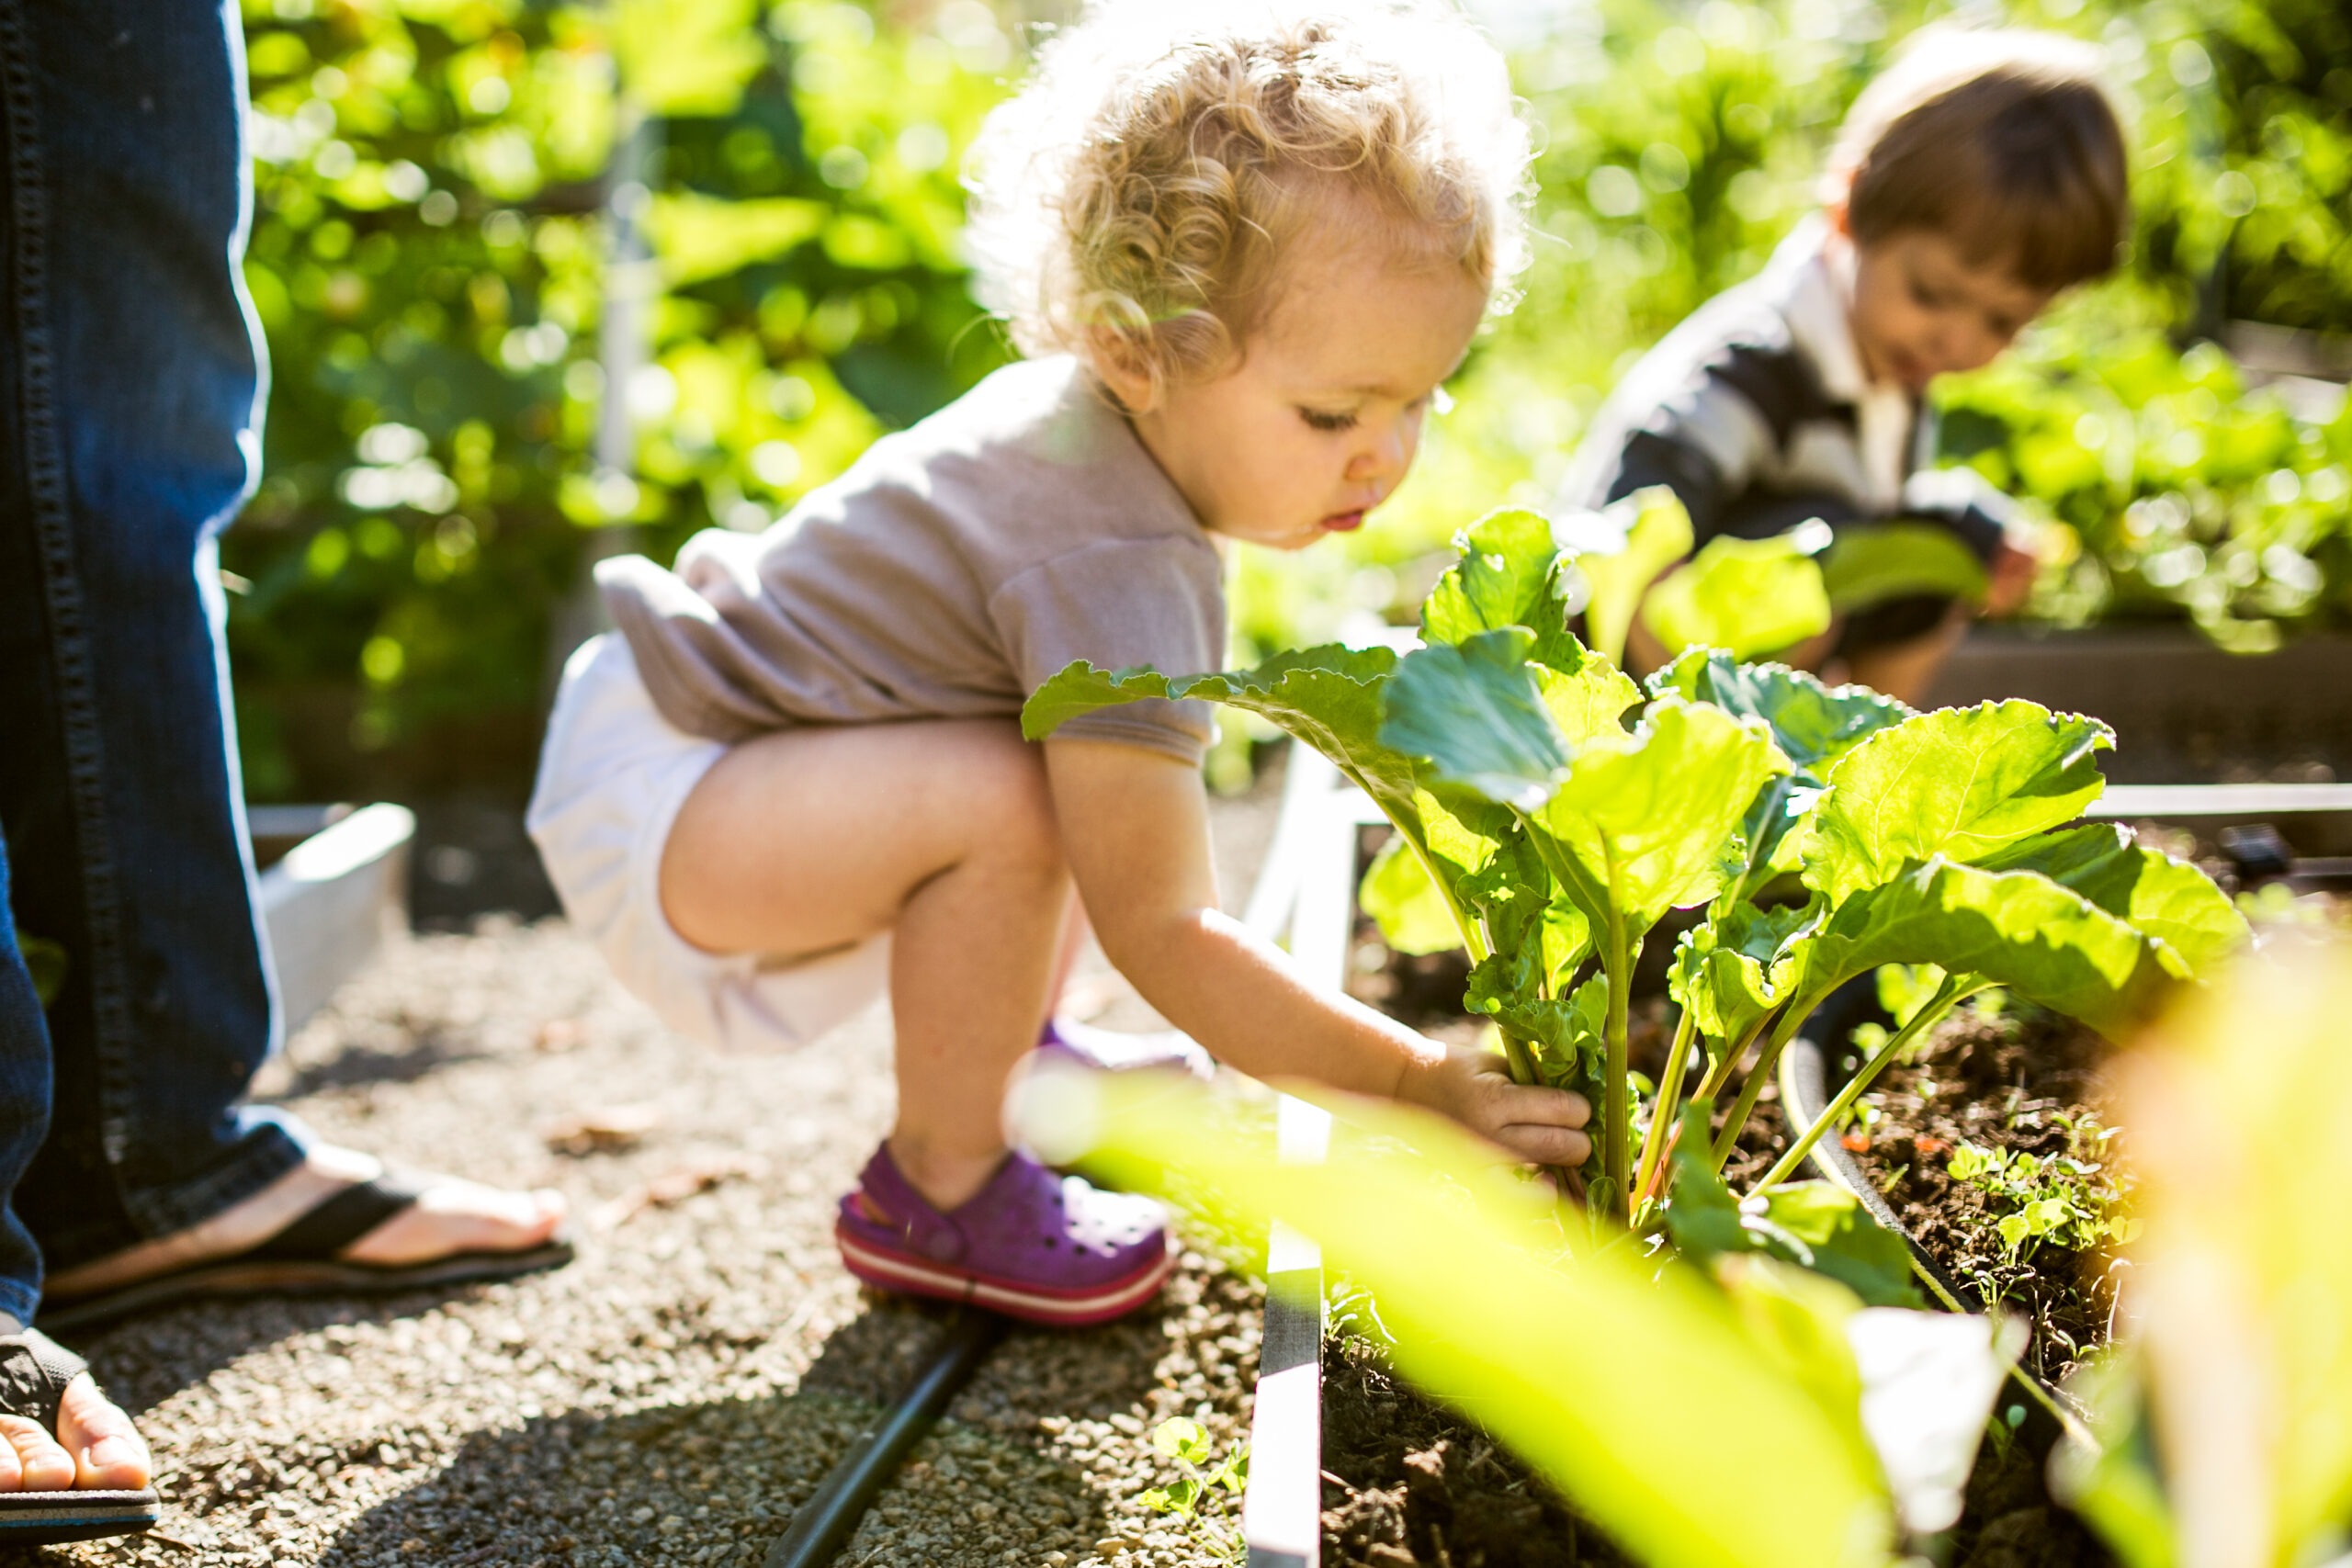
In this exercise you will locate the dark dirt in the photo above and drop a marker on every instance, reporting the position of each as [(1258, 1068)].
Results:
[(1409, 1481), (1423, 1485), (2000, 1083), (1426, 1486)]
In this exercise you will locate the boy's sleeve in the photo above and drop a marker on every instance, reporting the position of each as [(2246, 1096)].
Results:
[(1961, 501), (1704, 429)]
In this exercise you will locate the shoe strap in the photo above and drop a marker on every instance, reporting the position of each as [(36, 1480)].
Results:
[(335, 1224), (34, 1371)]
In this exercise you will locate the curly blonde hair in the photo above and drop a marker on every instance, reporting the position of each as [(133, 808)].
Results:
[(1138, 194)]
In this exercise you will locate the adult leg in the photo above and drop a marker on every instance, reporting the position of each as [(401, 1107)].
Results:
[(940, 833), (94, 1445), (133, 386)]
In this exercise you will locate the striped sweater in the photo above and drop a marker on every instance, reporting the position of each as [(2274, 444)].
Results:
[(1756, 413)]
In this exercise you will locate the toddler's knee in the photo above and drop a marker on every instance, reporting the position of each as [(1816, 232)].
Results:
[(1011, 807)]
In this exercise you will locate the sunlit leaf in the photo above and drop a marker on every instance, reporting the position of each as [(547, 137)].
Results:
[(1745, 596), (1960, 782)]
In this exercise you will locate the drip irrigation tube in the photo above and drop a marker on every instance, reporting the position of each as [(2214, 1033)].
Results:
[(824, 1522), (1805, 1092)]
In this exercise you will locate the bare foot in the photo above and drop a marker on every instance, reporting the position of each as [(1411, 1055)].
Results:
[(452, 1216), (94, 1448)]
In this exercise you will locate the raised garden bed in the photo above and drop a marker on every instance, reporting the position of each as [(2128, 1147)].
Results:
[(2183, 709), (1404, 1480)]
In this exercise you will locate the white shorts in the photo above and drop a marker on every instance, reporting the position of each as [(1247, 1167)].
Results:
[(612, 777)]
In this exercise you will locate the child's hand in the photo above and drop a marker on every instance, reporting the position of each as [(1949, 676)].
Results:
[(1535, 1124), (2011, 580)]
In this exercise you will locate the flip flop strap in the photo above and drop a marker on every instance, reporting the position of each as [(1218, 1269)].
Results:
[(341, 1220), (34, 1371)]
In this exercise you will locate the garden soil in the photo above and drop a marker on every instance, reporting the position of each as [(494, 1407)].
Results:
[(673, 1394)]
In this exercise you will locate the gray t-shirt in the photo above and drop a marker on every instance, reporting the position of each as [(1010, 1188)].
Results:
[(946, 575)]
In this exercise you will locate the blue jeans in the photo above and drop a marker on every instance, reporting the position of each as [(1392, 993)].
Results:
[(131, 383)]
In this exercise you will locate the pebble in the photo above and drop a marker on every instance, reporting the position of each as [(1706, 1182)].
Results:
[(675, 1392)]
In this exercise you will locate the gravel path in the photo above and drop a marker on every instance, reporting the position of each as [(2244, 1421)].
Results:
[(670, 1396)]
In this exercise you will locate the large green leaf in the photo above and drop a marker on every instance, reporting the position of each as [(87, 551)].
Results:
[(1510, 574), (1731, 970), (1810, 1223), (1869, 565), (1960, 782), (1646, 1375), (1645, 818), (2155, 894), (1747, 596), (1840, 1239), (1329, 697), (1812, 724), (1620, 551), (1396, 892), (1474, 711), (2017, 929)]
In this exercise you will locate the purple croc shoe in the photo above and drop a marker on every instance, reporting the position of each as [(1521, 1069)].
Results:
[(1031, 1244)]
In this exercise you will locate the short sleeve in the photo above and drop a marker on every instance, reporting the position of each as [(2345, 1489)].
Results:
[(1119, 604)]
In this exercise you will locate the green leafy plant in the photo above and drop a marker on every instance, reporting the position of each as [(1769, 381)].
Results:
[(1825, 1429), (2216, 1432), (1199, 1492), (2073, 1199), (1556, 813)]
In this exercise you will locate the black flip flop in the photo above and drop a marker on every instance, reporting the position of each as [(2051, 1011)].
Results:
[(34, 1371), (300, 1261)]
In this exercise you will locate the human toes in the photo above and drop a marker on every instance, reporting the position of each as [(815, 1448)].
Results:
[(41, 1465), (455, 1216), (107, 1451)]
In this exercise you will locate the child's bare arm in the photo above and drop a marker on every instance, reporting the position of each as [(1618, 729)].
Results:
[(1135, 827)]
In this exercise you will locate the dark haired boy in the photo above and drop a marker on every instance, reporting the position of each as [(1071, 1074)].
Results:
[(1980, 175)]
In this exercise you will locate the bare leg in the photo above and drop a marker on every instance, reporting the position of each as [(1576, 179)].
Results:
[(942, 833), (1908, 670)]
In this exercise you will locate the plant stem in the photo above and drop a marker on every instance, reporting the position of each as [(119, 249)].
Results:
[(1522, 1061), (1719, 1071), (1617, 1117), (1761, 1073), (1955, 989), (1669, 1093)]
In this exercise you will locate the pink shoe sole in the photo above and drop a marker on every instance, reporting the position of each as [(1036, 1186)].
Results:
[(908, 1274)]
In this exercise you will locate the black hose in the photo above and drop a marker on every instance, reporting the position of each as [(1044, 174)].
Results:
[(1805, 1094), (824, 1522)]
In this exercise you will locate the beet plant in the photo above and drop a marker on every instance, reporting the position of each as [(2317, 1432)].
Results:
[(1556, 811)]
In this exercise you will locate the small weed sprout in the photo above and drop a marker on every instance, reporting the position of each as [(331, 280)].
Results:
[(1201, 1493), (2075, 1200)]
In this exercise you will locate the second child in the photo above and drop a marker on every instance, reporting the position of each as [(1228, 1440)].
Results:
[(1979, 176)]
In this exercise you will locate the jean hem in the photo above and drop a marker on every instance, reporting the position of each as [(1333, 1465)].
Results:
[(275, 1146), (19, 1301)]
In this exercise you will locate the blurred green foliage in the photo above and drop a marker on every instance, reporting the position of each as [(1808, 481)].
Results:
[(434, 219), (429, 260)]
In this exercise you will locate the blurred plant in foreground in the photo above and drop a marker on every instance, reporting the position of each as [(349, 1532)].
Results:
[(2222, 1409), (1824, 1428)]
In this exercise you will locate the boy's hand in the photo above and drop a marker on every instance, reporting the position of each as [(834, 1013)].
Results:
[(2011, 579), (1535, 1124)]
